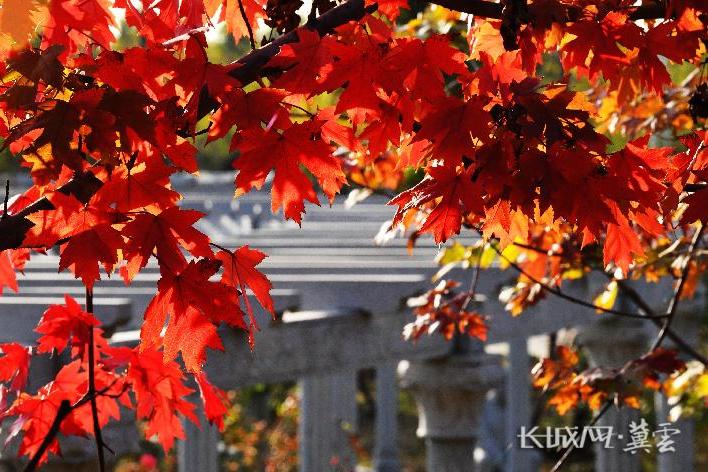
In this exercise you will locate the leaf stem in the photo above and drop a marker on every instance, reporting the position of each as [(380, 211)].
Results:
[(251, 37)]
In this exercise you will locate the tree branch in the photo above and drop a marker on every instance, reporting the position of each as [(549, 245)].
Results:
[(7, 199), (673, 304), (570, 298), (251, 37), (14, 227), (605, 408), (98, 436), (64, 409), (671, 334), (483, 8)]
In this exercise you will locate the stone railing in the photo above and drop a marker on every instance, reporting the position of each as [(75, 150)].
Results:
[(342, 302)]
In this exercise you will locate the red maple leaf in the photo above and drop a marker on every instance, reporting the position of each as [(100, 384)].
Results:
[(240, 272), (453, 195), (160, 395), (14, 365), (300, 145), (63, 323), (214, 400), (163, 233), (7, 272), (191, 302)]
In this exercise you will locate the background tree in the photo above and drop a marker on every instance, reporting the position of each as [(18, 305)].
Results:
[(568, 134)]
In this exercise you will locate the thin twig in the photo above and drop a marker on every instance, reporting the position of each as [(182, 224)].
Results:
[(248, 25), (7, 199), (570, 298), (673, 304), (64, 409), (304, 110), (92, 387), (605, 408), (537, 249), (697, 187), (473, 283), (671, 334)]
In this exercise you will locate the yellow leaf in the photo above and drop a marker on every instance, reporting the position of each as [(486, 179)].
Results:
[(702, 386), (16, 20), (573, 274), (510, 253), (455, 253), (607, 298), (487, 257)]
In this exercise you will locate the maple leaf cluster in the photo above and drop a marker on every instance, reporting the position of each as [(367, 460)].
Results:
[(129, 377), (569, 386), (441, 309), (532, 162)]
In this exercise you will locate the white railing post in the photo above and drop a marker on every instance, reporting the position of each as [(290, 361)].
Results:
[(611, 343), (683, 459), (686, 324), (518, 408), (327, 420), (386, 436), (199, 451)]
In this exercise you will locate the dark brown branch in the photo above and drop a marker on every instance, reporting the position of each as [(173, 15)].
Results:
[(605, 408), (14, 227), (64, 409), (486, 9), (250, 67), (671, 334), (251, 37), (673, 304), (697, 187), (98, 436), (7, 199), (578, 301)]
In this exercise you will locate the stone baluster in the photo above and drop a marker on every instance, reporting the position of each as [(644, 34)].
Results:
[(611, 343), (450, 393), (327, 420), (686, 324), (199, 452), (519, 408), (386, 434)]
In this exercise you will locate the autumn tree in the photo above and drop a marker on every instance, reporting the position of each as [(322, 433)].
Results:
[(569, 134)]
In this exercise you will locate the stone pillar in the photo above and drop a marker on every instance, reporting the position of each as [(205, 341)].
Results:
[(327, 420), (199, 452), (684, 458), (386, 434), (518, 408), (450, 393), (611, 343)]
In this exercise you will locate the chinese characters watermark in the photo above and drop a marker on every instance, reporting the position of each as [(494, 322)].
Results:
[(637, 438)]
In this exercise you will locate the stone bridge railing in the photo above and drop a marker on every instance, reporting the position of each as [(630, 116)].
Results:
[(342, 302)]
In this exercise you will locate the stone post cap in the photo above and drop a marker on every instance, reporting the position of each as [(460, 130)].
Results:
[(450, 393), (471, 372)]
